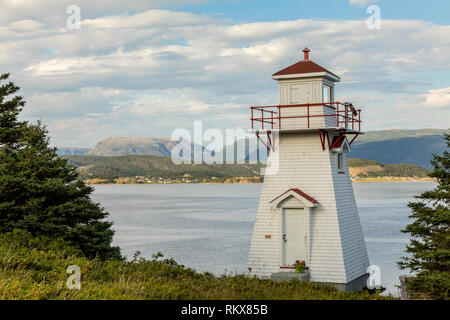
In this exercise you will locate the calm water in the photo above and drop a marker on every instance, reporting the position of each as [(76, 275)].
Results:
[(208, 227)]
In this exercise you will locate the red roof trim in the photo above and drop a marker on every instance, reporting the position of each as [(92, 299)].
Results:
[(300, 193), (304, 66)]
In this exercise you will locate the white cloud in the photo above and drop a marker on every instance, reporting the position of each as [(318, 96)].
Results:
[(159, 69), (188, 46), (438, 98), (54, 11), (25, 25), (52, 105)]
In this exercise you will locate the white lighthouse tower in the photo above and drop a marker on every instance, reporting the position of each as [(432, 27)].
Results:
[(307, 210)]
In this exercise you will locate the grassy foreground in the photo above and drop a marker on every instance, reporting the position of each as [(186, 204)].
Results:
[(35, 268)]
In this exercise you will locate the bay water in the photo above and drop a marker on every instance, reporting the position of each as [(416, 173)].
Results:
[(208, 226)]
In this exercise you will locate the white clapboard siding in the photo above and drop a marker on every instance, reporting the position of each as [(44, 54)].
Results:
[(337, 251), (354, 249)]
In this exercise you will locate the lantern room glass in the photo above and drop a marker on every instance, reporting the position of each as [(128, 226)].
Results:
[(326, 93)]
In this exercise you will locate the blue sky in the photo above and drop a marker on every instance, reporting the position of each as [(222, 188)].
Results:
[(145, 68), (266, 10)]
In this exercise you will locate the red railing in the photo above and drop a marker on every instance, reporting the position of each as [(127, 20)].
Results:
[(346, 115)]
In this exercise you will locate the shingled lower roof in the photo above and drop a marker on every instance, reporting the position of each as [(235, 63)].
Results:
[(299, 193)]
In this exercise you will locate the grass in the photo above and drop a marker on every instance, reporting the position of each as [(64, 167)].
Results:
[(35, 268)]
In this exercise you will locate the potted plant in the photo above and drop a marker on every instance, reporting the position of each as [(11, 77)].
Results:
[(300, 266)]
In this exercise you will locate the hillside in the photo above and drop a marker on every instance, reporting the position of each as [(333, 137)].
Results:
[(396, 146), (393, 134), (399, 146), (92, 167), (386, 146), (371, 169), (154, 166), (140, 146)]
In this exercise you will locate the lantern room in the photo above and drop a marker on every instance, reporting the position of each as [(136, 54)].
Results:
[(306, 101)]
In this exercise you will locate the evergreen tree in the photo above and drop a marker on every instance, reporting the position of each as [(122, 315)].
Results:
[(39, 191), (429, 247)]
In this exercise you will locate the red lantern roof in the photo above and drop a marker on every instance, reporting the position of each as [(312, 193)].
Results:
[(303, 67)]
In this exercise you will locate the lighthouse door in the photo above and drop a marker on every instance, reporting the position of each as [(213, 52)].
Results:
[(293, 235)]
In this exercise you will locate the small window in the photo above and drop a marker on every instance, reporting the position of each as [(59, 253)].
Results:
[(326, 93), (340, 162)]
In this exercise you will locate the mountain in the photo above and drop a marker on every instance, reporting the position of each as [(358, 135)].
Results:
[(399, 146), (139, 146), (395, 146), (386, 146), (383, 135), (161, 147)]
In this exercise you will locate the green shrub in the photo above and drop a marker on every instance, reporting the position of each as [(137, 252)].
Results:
[(437, 284)]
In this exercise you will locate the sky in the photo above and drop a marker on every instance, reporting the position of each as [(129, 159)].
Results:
[(145, 68)]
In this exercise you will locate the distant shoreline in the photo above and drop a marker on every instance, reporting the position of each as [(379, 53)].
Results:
[(396, 179), (254, 181)]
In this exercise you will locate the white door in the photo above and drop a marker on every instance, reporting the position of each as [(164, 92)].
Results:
[(293, 236)]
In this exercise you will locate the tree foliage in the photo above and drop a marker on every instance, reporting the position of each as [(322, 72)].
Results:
[(429, 247), (39, 191)]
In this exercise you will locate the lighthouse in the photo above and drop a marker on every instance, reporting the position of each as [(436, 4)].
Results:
[(307, 211)]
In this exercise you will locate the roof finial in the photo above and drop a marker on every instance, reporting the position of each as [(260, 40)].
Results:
[(306, 53)]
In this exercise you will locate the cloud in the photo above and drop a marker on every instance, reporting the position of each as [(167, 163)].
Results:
[(53, 105), (54, 12), (149, 72), (438, 98), (25, 25), (192, 49)]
